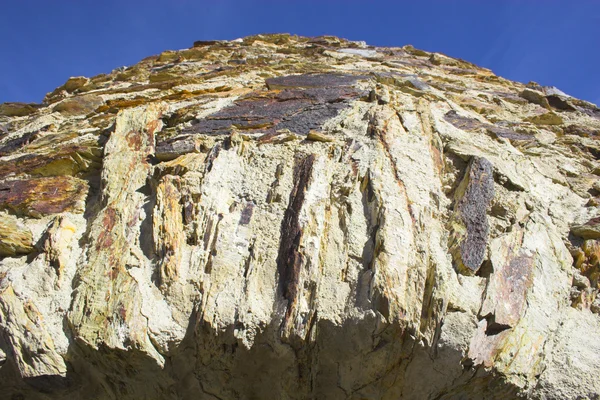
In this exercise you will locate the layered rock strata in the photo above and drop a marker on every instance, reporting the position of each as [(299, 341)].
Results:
[(292, 218)]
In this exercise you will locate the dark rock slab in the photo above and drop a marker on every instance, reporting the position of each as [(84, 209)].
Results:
[(473, 199), (327, 41), (497, 131), (278, 110), (43, 196), (312, 81), (583, 131), (15, 144), (461, 122), (560, 103), (298, 110), (172, 148), (205, 43), (311, 118), (506, 133), (67, 160)]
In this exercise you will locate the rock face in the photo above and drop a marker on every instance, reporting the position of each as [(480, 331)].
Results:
[(292, 218)]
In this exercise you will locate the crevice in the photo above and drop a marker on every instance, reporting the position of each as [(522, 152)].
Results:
[(210, 243), (289, 257), (248, 264), (427, 311), (370, 250)]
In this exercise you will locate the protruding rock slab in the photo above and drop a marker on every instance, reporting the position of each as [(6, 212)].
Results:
[(471, 124), (32, 345), (294, 109), (73, 159), (79, 105), (15, 237), (470, 226), (535, 96), (169, 237), (312, 81), (43, 196), (589, 230), (16, 109), (505, 297), (107, 302)]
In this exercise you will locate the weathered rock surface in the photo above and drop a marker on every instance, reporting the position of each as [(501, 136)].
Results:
[(292, 218)]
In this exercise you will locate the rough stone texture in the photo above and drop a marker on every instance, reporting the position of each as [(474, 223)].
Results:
[(15, 238), (589, 230), (471, 229), (43, 196), (292, 218)]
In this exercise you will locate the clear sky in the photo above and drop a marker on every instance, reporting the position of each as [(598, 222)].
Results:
[(44, 42)]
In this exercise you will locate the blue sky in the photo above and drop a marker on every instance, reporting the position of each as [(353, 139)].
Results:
[(44, 42)]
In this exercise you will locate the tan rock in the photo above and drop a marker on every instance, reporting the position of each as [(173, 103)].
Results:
[(79, 105), (291, 218), (15, 237), (75, 83), (16, 109), (549, 118), (535, 97), (589, 230)]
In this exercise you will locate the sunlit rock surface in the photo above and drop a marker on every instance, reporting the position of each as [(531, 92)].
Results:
[(279, 217)]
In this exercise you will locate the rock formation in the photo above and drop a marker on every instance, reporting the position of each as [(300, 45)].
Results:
[(279, 217)]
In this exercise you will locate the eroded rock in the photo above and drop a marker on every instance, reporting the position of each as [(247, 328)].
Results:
[(589, 230), (288, 217), (15, 237)]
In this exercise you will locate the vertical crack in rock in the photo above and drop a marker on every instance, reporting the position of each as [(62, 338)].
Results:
[(290, 258), (399, 269), (470, 227), (370, 250), (379, 128)]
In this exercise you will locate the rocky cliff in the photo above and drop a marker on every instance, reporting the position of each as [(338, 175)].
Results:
[(279, 217)]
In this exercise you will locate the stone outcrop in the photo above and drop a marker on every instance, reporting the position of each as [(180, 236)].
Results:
[(292, 218)]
